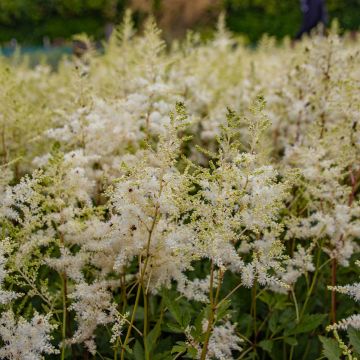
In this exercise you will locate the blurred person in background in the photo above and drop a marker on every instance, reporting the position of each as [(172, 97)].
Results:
[(314, 13)]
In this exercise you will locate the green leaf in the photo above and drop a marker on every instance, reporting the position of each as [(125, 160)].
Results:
[(274, 319), (275, 302), (192, 352), (223, 309), (331, 349), (181, 347), (287, 317), (162, 356), (138, 351), (152, 337), (267, 345), (354, 337), (291, 341), (165, 343), (174, 328), (181, 314), (197, 330), (128, 348), (307, 324), (185, 318)]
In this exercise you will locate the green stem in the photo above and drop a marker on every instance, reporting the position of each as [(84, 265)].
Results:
[(296, 306), (211, 316), (253, 309), (304, 357), (123, 296), (313, 282), (146, 324), (242, 356), (297, 319), (4, 149), (116, 349), (291, 352), (64, 319), (131, 322), (333, 293), (141, 283), (123, 302), (142, 271), (213, 307), (230, 294), (263, 323)]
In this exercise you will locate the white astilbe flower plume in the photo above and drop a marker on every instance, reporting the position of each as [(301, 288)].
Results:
[(5, 295), (234, 211), (93, 307), (28, 340), (6, 211), (223, 341), (116, 329), (105, 193), (299, 264), (351, 321), (146, 210)]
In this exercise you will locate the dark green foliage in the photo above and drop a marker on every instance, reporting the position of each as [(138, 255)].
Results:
[(281, 18), (30, 20), (272, 330)]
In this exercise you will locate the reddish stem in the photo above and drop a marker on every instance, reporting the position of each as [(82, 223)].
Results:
[(333, 293)]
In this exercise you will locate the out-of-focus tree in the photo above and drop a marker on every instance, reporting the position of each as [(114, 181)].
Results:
[(31, 20), (176, 16)]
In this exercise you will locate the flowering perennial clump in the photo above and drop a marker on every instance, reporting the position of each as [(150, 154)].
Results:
[(194, 200)]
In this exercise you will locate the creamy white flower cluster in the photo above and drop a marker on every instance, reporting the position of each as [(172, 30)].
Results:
[(110, 193)]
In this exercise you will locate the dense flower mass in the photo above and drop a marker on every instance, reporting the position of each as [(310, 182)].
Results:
[(195, 200)]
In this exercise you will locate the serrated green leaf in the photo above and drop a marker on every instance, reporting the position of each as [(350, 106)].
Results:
[(192, 352), (152, 337), (175, 328), (331, 349), (267, 345), (274, 302), (223, 309), (291, 341), (179, 348), (162, 356), (174, 309), (164, 343), (138, 351), (274, 319), (185, 318), (354, 337), (307, 324), (197, 330)]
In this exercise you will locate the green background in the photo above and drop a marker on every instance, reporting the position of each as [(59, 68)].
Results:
[(283, 17), (30, 20)]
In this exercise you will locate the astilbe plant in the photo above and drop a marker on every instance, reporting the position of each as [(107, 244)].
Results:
[(198, 200)]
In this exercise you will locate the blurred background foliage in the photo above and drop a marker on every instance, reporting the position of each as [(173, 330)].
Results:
[(30, 21), (283, 17)]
